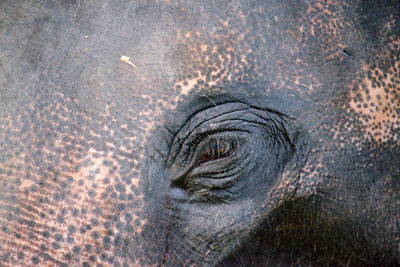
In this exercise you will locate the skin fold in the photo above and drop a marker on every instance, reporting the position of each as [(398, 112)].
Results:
[(243, 133)]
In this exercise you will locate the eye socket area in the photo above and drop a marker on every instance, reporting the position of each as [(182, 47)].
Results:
[(212, 153)]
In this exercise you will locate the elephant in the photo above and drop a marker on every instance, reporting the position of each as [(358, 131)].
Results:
[(199, 133)]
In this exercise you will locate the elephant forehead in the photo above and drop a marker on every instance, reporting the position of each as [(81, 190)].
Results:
[(272, 45)]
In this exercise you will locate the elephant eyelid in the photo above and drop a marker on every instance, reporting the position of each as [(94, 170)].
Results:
[(217, 148)]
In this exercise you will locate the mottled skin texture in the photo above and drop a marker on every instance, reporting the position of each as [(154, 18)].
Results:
[(100, 162)]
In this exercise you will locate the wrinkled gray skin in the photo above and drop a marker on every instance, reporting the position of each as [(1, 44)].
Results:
[(107, 164)]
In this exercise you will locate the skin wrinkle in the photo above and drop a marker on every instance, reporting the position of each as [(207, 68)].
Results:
[(243, 120), (264, 109), (187, 120), (193, 128)]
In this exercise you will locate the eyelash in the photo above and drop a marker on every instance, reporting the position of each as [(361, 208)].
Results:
[(199, 142), (217, 148)]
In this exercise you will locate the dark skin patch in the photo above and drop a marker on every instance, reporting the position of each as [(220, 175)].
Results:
[(101, 164)]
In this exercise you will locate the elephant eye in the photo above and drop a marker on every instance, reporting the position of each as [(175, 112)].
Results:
[(217, 149)]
